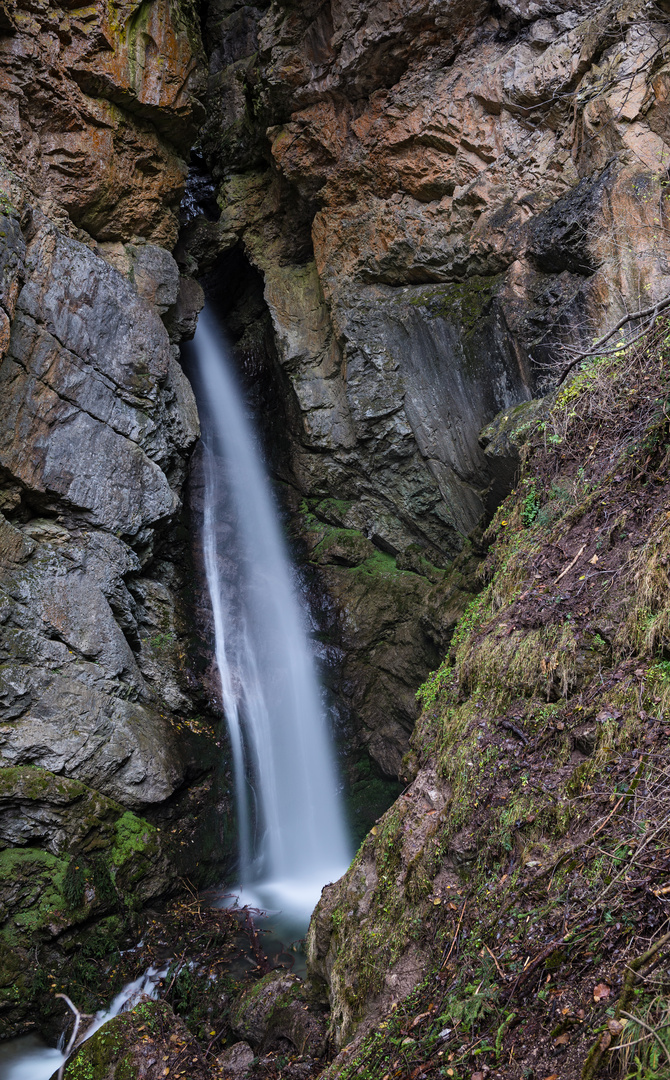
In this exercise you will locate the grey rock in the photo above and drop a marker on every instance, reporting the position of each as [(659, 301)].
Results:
[(236, 1061), (182, 319), (87, 417), (155, 275), (126, 751), (275, 1009)]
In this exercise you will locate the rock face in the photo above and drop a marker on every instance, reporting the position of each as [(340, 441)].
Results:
[(439, 197), (98, 110), (98, 421), (442, 201)]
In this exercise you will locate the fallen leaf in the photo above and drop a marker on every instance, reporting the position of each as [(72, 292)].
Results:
[(601, 992), (605, 1040), (593, 560), (615, 1026), (562, 1040), (554, 1076)]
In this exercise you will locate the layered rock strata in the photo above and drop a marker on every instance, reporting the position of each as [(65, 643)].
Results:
[(446, 202)]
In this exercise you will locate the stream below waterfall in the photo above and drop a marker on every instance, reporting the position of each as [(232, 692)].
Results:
[(28, 1058)]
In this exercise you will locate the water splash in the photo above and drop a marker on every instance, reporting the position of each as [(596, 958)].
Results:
[(27, 1058), (291, 830)]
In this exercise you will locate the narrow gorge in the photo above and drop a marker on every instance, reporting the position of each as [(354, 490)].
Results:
[(397, 585)]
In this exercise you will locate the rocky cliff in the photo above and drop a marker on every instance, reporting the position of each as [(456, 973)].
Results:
[(448, 203), (440, 199), (106, 755)]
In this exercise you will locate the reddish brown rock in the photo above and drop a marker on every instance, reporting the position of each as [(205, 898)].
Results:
[(98, 111)]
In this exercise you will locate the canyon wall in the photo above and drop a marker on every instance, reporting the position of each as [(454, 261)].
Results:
[(447, 203), (441, 198), (109, 761)]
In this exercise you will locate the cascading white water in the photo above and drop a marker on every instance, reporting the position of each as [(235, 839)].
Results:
[(27, 1058), (295, 841)]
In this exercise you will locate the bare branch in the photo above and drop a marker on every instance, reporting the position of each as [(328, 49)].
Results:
[(650, 313), (652, 1031), (78, 1017)]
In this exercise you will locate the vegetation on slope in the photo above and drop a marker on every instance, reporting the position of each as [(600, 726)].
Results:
[(538, 889)]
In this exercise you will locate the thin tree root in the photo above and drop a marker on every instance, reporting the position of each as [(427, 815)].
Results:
[(604, 1041)]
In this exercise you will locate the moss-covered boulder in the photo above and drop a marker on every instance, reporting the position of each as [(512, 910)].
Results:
[(74, 868), (149, 1042), (280, 1007)]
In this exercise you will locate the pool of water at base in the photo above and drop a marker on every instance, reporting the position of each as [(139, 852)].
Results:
[(28, 1058)]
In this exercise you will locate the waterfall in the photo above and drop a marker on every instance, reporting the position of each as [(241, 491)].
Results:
[(27, 1058), (291, 832)]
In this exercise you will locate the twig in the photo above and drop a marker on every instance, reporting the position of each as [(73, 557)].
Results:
[(636, 1019), (595, 350), (498, 967), (451, 948), (610, 815), (570, 564), (78, 1017), (532, 966)]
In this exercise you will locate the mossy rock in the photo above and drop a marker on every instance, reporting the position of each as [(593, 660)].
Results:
[(343, 547), (277, 1008), (512, 427), (464, 304), (80, 867), (149, 1041)]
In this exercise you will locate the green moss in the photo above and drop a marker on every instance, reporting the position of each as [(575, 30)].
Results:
[(37, 877), (36, 783), (100, 1053), (463, 304), (379, 563), (133, 836), (74, 881)]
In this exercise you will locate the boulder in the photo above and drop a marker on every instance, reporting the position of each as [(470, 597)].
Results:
[(277, 1008)]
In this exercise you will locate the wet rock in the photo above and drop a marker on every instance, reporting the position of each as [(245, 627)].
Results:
[(276, 1008), (155, 275), (82, 381), (149, 1041), (182, 318), (12, 267), (392, 619), (236, 1061)]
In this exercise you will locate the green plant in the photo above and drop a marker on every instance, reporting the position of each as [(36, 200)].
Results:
[(530, 507)]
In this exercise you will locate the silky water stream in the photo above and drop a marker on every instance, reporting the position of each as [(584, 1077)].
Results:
[(28, 1058), (292, 838)]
